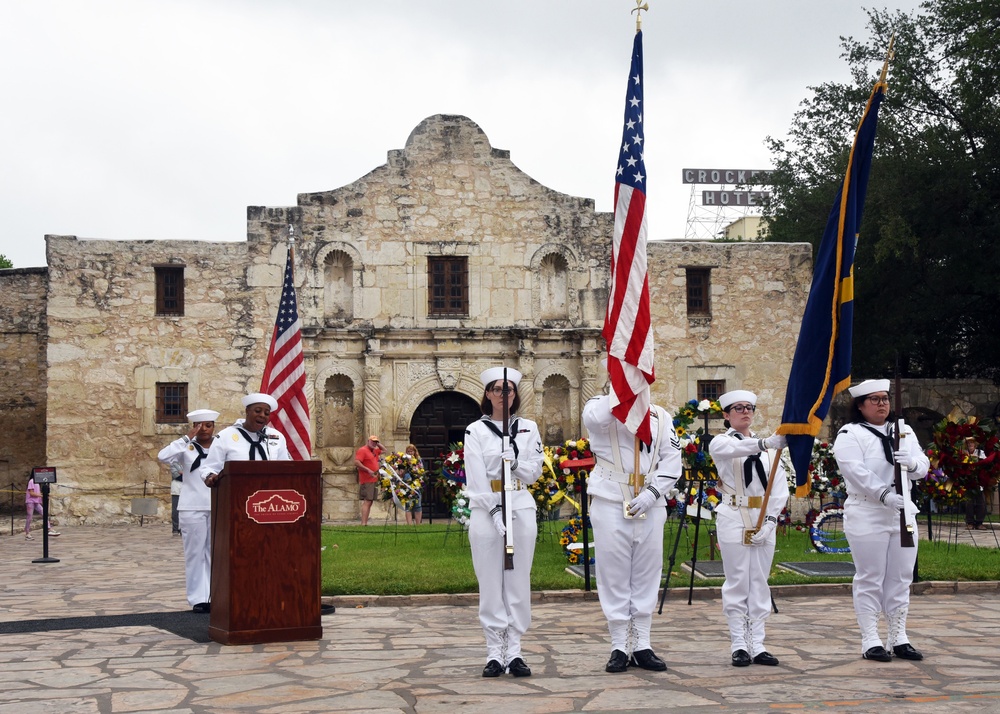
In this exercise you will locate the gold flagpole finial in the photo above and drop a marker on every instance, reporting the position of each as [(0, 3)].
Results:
[(889, 55), (639, 7)]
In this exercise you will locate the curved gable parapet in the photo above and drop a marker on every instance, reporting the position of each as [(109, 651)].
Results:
[(448, 137), (451, 146)]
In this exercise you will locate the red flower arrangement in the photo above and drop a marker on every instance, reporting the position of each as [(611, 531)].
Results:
[(954, 468)]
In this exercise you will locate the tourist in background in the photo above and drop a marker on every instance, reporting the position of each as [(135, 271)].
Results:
[(366, 459)]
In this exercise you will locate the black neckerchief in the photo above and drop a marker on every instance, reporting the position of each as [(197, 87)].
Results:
[(513, 430), (256, 447), (750, 464), (201, 455), (886, 440)]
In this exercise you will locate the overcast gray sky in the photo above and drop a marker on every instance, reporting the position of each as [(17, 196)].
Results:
[(151, 119)]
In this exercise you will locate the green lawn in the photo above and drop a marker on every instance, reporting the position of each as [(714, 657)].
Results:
[(407, 560)]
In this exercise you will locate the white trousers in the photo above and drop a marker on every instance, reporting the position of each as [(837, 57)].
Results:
[(746, 596), (196, 532), (883, 569), (629, 557), (504, 595)]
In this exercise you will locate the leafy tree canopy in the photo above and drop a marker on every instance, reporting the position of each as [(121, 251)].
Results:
[(5, 261), (928, 261)]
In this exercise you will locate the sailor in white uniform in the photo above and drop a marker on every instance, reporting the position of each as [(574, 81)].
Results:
[(743, 461), (504, 595), (253, 440), (194, 504), (628, 551), (866, 457)]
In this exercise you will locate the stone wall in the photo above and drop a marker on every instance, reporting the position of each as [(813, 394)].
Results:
[(537, 275), (107, 349), (22, 379)]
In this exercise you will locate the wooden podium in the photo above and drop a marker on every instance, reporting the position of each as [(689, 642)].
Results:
[(266, 553)]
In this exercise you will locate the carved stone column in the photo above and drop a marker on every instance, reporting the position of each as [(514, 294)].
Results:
[(373, 389)]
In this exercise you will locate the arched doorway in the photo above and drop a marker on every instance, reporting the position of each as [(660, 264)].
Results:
[(439, 421)]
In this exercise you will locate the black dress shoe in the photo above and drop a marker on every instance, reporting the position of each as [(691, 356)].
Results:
[(741, 658), (906, 651), (518, 668), (492, 669), (202, 607), (648, 660), (878, 654), (766, 658), (617, 663)]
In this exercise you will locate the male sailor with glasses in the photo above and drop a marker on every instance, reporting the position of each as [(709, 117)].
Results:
[(865, 454), (628, 521), (743, 461)]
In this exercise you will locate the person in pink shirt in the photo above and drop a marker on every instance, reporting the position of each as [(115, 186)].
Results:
[(33, 505)]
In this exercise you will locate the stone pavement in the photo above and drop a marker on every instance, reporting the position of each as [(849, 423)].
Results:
[(427, 658)]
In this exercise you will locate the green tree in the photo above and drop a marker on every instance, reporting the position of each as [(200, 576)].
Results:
[(928, 253), (5, 261)]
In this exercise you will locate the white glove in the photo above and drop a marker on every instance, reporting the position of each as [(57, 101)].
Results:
[(893, 500), (904, 459), (761, 536), (498, 523), (776, 441), (642, 503), (508, 454)]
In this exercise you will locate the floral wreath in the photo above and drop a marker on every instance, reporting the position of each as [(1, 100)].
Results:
[(954, 471), (564, 470), (451, 474), (820, 537), (695, 458), (460, 510), (572, 533), (401, 478), (824, 474)]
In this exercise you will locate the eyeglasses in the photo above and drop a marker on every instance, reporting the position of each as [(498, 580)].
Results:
[(741, 408), (499, 390), (878, 400)]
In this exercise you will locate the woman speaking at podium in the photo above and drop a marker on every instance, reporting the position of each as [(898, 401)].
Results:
[(252, 440)]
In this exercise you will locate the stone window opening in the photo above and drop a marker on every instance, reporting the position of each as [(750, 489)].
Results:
[(169, 289), (699, 285), (448, 286), (171, 402)]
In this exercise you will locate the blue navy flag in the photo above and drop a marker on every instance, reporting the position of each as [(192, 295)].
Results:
[(821, 368)]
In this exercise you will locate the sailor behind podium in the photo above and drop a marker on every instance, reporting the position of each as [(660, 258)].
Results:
[(253, 440)]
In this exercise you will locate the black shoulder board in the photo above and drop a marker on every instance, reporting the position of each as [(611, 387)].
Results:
[(842, 431)]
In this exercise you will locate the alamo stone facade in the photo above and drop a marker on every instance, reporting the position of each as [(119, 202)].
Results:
[(84, 347)]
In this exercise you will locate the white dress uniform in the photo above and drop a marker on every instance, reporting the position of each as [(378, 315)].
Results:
[(628, 553), (235, 443), (194, 514), (883, 568), (504, 595), (743, 469)]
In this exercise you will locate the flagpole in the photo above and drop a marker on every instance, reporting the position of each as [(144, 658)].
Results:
[(639, 6), (889, 56)]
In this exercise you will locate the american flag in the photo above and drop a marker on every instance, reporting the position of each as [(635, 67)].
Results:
[(285, 373), (626, 325)]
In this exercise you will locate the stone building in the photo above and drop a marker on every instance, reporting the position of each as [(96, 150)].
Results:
[(443, 261)]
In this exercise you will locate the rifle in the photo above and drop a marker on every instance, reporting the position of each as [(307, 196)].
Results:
[(900, 482), (507, 485)]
